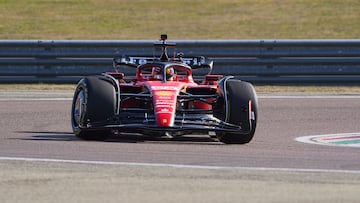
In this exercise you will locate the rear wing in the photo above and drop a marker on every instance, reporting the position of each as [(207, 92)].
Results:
[(194, 62)]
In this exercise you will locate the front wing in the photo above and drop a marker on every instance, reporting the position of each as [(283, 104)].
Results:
[(189, 124)]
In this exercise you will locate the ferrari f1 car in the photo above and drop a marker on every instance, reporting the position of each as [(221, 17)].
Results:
[(163, 99)]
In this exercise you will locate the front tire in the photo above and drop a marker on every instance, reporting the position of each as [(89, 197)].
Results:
[(94, 101), (240, 104)]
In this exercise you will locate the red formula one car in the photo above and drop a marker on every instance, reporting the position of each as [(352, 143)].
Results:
[(164, 100)]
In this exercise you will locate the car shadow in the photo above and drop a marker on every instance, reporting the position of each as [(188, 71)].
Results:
[(123, 138), (48, 135)]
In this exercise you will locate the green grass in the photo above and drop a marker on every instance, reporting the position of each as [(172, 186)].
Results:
[(188, 19)]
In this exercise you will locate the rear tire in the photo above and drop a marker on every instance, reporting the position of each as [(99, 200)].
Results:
[(94, 101), (238, 95)]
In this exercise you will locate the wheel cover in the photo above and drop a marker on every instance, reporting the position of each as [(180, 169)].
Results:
[(78, 107)]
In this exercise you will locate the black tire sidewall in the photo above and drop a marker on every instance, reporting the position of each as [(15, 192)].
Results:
[(99, 105), (238, 94)]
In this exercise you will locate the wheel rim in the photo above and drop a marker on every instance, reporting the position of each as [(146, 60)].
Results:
[(78, 107)]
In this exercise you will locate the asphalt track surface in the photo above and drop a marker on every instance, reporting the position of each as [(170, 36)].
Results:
[(41, 161)]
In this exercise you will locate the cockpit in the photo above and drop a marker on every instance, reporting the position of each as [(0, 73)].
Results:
[(164, 72)]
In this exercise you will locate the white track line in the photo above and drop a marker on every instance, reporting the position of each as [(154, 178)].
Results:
[(178, 165)]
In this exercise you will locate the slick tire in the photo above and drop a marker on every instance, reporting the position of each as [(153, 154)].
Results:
[(94, 101), (238, 95)]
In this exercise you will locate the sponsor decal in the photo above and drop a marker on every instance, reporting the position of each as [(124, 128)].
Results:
[(165, 101), (345, 139), (165, 93), (173, 88)]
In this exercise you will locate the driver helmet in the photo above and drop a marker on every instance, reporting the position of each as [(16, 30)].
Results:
[(170, 73)]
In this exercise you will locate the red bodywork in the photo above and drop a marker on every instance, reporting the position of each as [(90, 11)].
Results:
[(164, 93)]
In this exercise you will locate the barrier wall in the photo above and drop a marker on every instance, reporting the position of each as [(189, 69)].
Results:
[(258, 61)]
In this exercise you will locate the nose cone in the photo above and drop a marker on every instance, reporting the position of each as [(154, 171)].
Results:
[(165, 107), (164, 101), (165, 119)]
